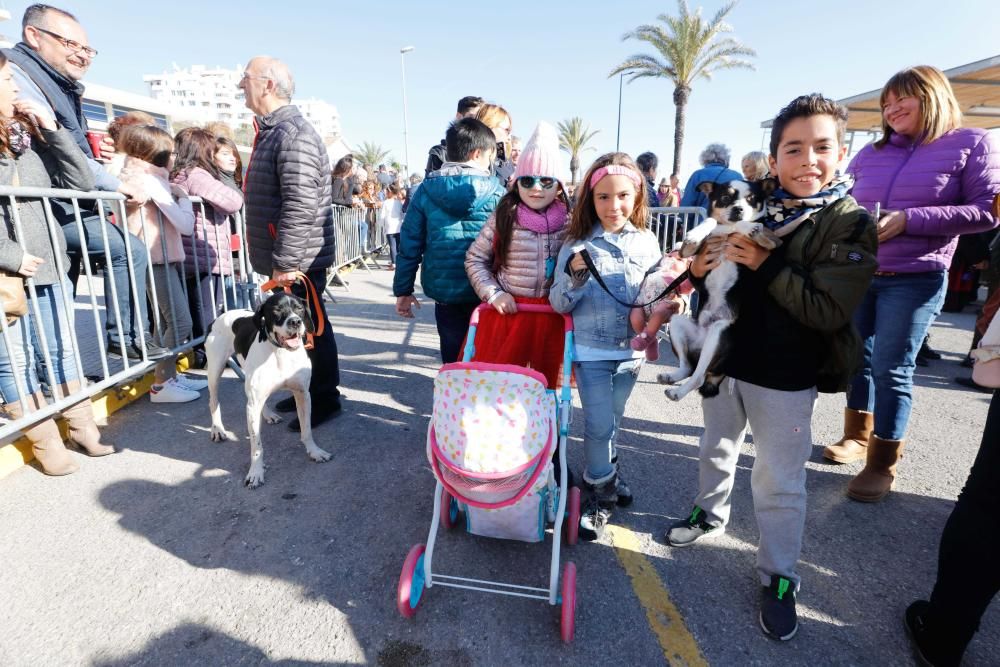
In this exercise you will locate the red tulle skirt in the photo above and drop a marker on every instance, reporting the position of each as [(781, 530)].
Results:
[(527, 339)]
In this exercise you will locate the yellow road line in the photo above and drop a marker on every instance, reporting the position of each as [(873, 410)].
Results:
[(678, 644)]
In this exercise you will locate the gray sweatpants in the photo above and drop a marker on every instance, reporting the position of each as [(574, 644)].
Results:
[(782, 437)]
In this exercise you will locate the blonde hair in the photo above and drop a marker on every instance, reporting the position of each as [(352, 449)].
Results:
[(585, 214), (939, 110), (492, 115), (760, 165)]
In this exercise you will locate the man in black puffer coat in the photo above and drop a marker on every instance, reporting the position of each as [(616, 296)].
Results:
[(288, 214)]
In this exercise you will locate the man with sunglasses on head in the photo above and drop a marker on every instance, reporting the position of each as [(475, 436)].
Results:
[(436, 156), (47, 65)]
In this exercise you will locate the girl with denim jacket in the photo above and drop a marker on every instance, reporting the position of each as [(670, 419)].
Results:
[(610, 224)]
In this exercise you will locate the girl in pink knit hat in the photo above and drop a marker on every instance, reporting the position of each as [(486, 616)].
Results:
[(513, 261)]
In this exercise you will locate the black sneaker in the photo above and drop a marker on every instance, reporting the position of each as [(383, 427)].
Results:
[(622, 489), (688, 531), (593, 519), (321, 414), (778, 619), (928, 650), (134, 352)]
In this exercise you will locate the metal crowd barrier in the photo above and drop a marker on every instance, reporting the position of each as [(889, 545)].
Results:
[(214, 293), (671, 224), (204, 293), (358, 238)]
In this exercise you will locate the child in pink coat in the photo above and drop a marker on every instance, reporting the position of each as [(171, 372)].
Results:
[(160, 222)]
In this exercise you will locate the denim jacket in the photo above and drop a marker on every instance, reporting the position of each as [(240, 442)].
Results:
[(622, 260)]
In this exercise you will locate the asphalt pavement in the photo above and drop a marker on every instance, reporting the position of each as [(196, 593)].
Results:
[(160, 556)]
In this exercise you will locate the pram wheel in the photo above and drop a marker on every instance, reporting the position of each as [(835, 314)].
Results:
[(450, 511), (411, 582), (567, 619), (572, 518)]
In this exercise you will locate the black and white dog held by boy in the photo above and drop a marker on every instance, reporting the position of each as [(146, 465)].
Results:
[(700, 344)]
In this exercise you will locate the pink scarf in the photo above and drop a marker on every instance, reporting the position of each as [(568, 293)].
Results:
[(551, 220)]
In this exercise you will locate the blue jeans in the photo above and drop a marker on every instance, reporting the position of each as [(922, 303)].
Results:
[(132, 305), (59, 337), (604, 388), (893, 319)]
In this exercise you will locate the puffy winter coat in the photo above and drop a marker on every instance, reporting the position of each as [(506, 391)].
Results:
[(211, 238), (442, 221), (945, 187), (288, 196), (523, 273)]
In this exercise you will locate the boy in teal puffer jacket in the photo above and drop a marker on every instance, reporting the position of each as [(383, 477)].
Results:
[(443, 219)]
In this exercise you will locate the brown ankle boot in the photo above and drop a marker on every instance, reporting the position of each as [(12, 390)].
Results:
[(83, 432), (48, 448), (858, 426), (876, 480), (46, 443)]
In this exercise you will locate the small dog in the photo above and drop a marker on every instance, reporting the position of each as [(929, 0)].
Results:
[(701, 345), (269, 348)]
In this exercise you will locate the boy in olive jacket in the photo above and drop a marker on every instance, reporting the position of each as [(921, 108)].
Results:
[(793, 336)]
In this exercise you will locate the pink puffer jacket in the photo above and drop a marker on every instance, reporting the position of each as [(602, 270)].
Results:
[(945, 187), (523, 274), (210, 240)]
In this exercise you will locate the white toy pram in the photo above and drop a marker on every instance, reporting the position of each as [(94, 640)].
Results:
[(490, 443)]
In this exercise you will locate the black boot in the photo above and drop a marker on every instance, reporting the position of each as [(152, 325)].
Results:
[(596, 512)]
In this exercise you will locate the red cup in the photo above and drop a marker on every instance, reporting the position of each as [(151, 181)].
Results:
[(95, 139)]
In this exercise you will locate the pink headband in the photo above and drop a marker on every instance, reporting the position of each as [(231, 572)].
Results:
[(614, 170)]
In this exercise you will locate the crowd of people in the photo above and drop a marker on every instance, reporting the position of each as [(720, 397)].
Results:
[(844, 302)]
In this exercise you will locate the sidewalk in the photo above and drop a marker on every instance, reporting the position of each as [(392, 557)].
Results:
[(160, 556)]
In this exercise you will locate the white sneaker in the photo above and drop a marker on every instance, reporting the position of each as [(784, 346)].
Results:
[(191, 382), (172, 392)]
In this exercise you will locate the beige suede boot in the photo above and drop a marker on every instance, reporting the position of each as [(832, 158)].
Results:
[(858, 426), (876, 480), (82, 429), (46, 443), (83, 432)]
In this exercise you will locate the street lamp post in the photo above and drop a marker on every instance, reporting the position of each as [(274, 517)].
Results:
[(621, 80), (406, 144)]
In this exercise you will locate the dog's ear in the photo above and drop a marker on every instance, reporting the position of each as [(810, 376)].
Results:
[(308, 321), (707, 187), (767, 187), (260, 325)]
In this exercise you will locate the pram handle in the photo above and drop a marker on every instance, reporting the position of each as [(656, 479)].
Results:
[(525, 308)]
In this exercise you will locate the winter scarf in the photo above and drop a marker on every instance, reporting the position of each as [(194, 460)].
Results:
[(786, 212)]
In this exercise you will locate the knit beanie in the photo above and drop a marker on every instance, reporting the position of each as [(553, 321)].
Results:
[(541, 155)]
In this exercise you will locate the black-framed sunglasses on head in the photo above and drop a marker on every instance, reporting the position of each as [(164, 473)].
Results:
[(528, 182), (73, 47)]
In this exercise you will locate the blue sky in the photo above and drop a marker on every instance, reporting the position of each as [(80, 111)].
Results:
[(541, 60)]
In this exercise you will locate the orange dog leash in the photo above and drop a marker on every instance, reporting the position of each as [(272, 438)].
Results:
[(312, 303)]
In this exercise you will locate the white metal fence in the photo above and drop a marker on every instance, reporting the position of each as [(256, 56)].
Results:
[(670, 224), (209, 286)]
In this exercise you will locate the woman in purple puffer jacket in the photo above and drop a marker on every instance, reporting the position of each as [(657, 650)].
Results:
[(932, 180)]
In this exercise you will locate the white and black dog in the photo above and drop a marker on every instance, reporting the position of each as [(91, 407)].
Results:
[(269, 346), (701, 345)]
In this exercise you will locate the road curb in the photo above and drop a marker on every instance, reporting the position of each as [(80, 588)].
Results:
[(17, 454)]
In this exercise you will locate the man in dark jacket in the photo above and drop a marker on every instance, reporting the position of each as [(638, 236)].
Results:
[(289, 214), (47, 66), (467, 108)]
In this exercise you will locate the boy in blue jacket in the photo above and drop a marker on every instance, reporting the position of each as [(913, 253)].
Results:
[(443, 219)]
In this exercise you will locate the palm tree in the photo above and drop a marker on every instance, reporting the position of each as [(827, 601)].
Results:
[(687, 48), (370, 155), (573, 136)]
